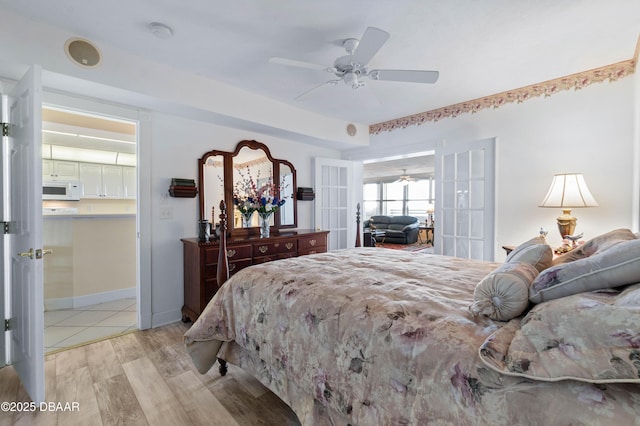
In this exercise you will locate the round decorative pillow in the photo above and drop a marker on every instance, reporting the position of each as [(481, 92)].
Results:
[(504, 293)]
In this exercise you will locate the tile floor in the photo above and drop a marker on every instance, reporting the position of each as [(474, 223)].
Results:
[(69, 327)]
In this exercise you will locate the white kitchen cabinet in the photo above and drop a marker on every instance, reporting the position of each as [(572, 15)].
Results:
[(101, 181), (91, 178), (112, 181), (54, 170), (129, 182)]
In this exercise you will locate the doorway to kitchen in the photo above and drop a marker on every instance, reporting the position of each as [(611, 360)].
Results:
[(90, 280)]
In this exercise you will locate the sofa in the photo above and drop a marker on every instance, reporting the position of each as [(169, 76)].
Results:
[(397, 229)]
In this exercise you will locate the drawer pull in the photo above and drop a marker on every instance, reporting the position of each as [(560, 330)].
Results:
[(263, 249), (232, 266), (276, 244), (289, 246), (312, 242), (231, 253)]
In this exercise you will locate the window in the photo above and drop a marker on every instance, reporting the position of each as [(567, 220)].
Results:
[(371, 200), (419, 197), (398, 198)]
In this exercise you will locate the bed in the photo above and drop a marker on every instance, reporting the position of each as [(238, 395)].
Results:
[(374, 336)]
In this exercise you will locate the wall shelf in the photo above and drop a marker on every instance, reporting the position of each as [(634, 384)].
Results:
[(183, 188)]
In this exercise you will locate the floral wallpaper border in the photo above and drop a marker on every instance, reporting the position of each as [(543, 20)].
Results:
[(576, 81)]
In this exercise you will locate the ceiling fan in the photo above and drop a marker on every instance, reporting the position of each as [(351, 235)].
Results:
[(352, 68), (404, 178)]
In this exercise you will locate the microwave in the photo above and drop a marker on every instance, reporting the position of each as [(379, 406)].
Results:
[(61, 190)]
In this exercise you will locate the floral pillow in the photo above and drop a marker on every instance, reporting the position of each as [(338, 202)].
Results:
[(591, 337), (618, 265)]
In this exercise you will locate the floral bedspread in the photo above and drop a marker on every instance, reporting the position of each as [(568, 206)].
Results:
[(372, 336)]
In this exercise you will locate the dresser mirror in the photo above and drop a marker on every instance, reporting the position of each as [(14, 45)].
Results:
[(212, 172), (288, 210), (220, 173)]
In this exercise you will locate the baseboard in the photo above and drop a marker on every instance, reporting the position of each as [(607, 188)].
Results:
[(58, 304), (89, 299), (164, 318)]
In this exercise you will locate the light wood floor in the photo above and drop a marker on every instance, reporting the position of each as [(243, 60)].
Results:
[(144, 378)]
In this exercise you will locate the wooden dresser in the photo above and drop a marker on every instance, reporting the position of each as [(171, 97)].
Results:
[(201, 260)]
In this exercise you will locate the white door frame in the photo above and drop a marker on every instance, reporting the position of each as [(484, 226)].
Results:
[(71, 102)]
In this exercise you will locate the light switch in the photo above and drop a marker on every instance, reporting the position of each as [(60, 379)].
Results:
[(166, 212)]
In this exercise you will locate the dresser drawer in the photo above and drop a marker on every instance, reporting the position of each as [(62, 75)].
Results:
[(210, 288), (321, 249), (234, 252), (239, 252), (286, 255), (238, 265), (264, 259), (211, 255), (311, 243), (271, 248)]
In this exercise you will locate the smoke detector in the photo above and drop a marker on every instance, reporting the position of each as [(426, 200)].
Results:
[(160, 30)]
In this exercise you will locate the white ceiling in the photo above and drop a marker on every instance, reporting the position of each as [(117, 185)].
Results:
[(415, 166), (480, 47)]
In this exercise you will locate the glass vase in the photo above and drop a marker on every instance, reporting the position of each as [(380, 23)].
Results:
[(246, 219), (265, 225)]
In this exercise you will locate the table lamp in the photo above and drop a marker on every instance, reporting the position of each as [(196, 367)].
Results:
[(567, 191), (430, 211)]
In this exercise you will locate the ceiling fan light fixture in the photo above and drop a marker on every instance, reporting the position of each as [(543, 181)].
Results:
[(351, 78), (352, 68), (404, 178)]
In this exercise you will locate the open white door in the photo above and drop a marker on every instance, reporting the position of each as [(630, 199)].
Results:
[(25, 232), (335, 209), (464, 225)]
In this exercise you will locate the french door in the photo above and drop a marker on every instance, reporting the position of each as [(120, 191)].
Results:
[(334, 204), (464, 215)]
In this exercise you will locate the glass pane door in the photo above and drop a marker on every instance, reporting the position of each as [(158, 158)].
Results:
[(464, 200), (334, 207)]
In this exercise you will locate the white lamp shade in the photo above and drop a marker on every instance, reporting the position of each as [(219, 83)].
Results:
[(568, 190)]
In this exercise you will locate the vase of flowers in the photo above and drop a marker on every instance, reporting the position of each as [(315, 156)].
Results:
[(265, 225), (265, 207), (247, 215), (265, 199)]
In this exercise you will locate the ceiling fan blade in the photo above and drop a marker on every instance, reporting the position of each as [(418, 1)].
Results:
[(372, 40), (296, 63), (304, 95), (413, 76)]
